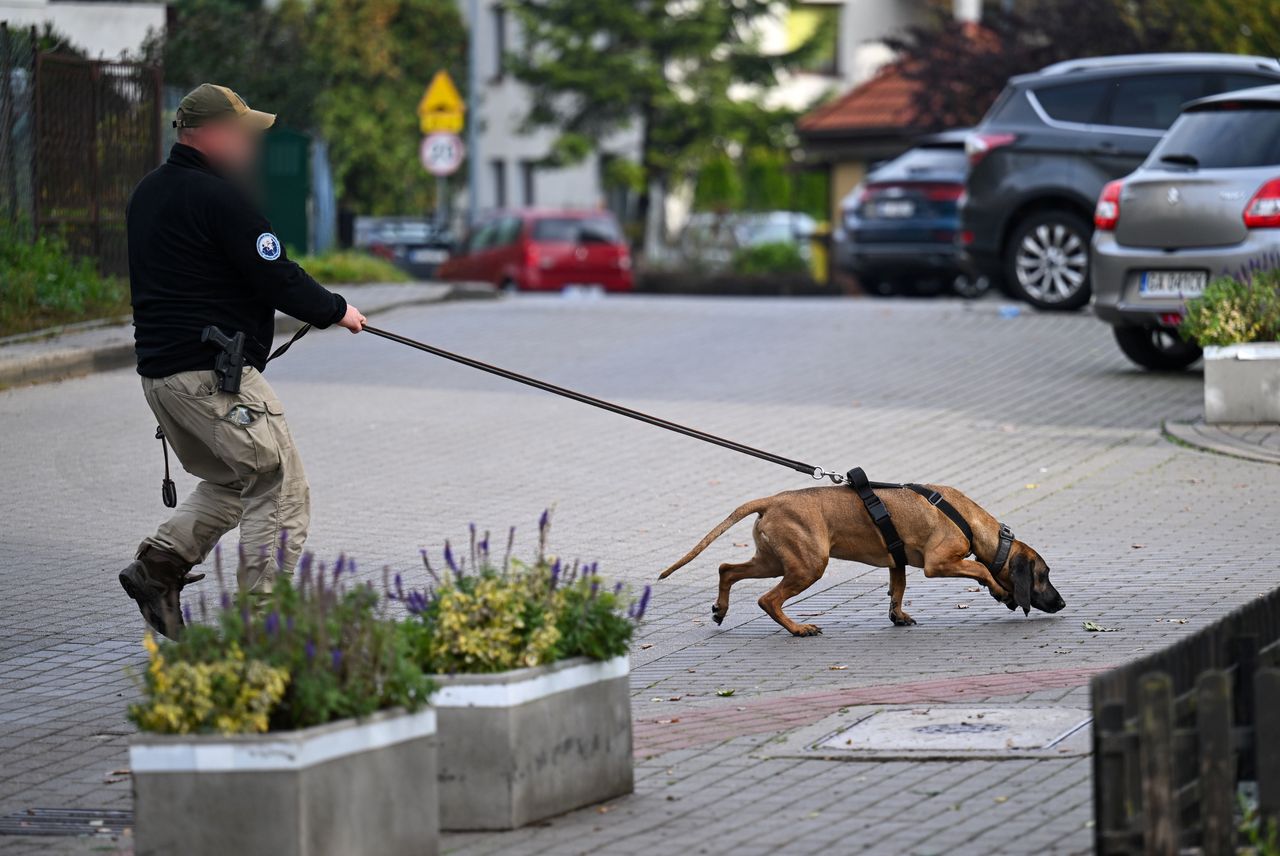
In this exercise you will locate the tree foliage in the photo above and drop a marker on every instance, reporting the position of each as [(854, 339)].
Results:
[(351, 70), (663, 70)]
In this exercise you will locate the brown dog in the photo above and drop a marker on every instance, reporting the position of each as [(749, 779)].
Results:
[(799, 530)]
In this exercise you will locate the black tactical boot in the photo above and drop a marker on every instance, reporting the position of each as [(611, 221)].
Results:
[(155, 580)]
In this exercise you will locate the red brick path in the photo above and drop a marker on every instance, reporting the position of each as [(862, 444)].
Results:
[(688, 727)]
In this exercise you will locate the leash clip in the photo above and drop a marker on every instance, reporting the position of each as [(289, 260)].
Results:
[(836, 478)]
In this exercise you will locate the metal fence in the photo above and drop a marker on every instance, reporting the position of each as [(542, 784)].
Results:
[(83, 133), (1184, 735)]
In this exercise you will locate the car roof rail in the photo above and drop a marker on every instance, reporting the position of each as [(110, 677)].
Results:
[(1161, 59)]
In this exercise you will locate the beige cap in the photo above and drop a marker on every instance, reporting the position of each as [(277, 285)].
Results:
[(209, 102)]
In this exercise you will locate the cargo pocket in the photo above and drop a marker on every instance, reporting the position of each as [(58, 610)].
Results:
[(247, 440)]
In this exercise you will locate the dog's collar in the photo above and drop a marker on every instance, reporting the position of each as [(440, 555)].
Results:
[(1002, 551)]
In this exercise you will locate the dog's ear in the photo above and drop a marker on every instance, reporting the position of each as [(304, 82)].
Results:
[(1022, 582)]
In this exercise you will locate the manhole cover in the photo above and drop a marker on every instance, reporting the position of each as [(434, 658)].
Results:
[(66, 821), (943, 731)]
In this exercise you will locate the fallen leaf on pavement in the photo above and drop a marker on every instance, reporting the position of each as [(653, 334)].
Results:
[(646, 646), (1002, 799), (725, 693), (1137, 546), (962, 606), (1032, 485), (973, 588), (1095, 627), (839, 668), (1177, 620), (668, 721)]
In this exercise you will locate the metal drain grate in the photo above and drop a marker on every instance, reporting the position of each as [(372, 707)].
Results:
[(67, 822)]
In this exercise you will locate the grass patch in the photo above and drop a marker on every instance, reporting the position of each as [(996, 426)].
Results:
[(42, 285), (349, 267)]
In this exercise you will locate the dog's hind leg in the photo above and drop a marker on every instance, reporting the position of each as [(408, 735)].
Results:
[(897, 588), (796, 578), (757, 567)]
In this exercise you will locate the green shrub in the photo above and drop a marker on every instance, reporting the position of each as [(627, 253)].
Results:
[(309, 653), (42, 285), (350, 267), (1234, 311), (494, 617), (778, 257)]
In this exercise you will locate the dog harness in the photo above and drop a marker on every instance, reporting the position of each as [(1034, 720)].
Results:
[(866, 490)]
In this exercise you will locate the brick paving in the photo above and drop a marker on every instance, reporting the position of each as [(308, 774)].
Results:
[(1038, 417)]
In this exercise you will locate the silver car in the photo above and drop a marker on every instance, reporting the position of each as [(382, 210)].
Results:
[(1206, 203)]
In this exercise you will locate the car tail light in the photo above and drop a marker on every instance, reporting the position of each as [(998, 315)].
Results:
[(1263, 210), (942, 192), (978, 146), (965, 238), (1171, 319), (1107, 214)]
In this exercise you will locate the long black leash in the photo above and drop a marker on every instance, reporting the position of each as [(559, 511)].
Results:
[(855, 478)]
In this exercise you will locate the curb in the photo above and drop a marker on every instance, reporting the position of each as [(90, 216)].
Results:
[(1203, 437), (76, 362)]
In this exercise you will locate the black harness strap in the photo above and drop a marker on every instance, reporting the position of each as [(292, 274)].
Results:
[(879, 514), (935, 499)]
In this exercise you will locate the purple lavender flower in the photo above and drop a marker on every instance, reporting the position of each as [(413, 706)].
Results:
[(450, 561), (204, 608), (339, 566), (644, 602), (310, 650), (544, 520), (336, 656), (617, 588), (399, 595), (595, 587), (225, 600), (555, 573), (280, 547), (272, 623), (186, 612)]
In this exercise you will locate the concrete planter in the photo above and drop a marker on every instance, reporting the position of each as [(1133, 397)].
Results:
[(520, 746), (343, 789), (1242, 383)]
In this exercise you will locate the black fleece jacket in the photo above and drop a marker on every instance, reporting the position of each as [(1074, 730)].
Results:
[(201, 253)]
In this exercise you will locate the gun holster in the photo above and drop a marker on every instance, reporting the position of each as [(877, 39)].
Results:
[(230, 361)]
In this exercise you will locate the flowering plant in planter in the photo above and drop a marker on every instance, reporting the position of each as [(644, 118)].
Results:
[(1235, 311), (313, 651), (488, 616), (534, 704)]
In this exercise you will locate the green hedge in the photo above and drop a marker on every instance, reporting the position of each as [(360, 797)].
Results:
[(42, 285), (349, 267)]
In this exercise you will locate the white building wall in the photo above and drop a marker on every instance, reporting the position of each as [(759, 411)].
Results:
[(103, 30), (503, 139)]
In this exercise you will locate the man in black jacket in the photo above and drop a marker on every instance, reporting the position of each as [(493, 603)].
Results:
[(201, 254)]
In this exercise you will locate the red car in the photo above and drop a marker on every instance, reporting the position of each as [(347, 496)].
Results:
[(544, 251)]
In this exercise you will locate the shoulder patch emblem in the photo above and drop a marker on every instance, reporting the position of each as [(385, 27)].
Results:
[(268, 246)]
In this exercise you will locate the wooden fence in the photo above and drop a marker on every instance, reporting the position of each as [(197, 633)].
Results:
[(1181, 735)]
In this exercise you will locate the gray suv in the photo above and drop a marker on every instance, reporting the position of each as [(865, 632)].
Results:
[(1042, 154), (1205, 204)]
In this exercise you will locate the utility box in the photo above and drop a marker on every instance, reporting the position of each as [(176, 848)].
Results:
[(286, 186)]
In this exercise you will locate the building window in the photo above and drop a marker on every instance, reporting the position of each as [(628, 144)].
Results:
[(817, 27), (499, 170), (499, 15), (528, 178)]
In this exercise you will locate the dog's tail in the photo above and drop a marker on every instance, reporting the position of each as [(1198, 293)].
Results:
[(755, 506)]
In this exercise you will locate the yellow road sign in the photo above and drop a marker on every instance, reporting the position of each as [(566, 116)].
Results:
[(441, 109)]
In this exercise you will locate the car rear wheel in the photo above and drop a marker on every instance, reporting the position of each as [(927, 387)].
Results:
[(1155, 348), (1047, 260)]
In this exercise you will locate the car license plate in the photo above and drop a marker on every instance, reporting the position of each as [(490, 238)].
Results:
[(426, 257), (1173, 283), (894, 208)]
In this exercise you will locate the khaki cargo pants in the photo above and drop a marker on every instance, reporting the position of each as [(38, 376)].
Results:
[(250, 473)]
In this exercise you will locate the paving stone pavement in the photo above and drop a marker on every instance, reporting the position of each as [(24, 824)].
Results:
[(1037, 417)]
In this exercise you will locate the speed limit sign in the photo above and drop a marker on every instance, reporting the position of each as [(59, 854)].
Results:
[(441, 153)]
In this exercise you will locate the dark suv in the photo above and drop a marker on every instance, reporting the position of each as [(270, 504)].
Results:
[(1043, 152)]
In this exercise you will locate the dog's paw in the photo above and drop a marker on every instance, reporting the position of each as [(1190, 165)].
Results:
[(807, 630), (716, 615), (902, 620)]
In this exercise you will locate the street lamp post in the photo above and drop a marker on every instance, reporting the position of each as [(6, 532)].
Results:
[(473, 112)]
